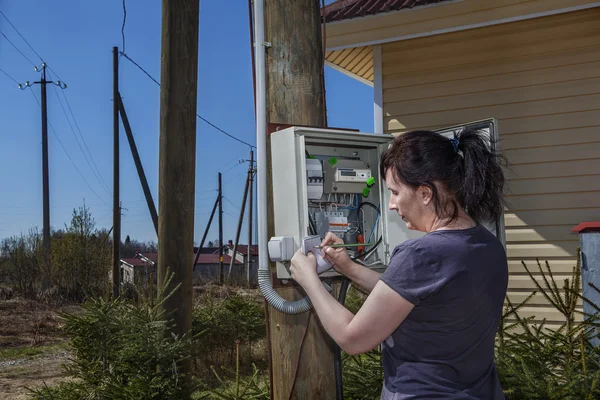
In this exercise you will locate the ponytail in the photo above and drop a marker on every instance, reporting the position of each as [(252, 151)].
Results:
[(463, 172), (482, 190)]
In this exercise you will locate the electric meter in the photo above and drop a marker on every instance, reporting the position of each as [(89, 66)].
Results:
[(327, 180), (352, 175)]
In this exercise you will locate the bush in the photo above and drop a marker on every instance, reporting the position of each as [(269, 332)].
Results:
[(535, 362), (223, 322), (254, 386), (22, 262), (123, 350), (362, 374), (79, 264)]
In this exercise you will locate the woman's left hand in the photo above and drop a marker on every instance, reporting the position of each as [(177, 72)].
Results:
[(304, 269)]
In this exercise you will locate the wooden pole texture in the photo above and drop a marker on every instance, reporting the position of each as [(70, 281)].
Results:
[(295, 96), (177, 157), (116, 245), (138, 164)]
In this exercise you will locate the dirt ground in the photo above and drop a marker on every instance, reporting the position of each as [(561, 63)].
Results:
[(31, 348)]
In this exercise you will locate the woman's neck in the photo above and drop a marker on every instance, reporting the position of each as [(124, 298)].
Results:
[(463, 221)]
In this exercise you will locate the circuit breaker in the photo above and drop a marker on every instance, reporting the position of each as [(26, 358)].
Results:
[(327, 180)]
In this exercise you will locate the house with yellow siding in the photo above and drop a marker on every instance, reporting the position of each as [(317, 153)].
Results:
[(533, 65)]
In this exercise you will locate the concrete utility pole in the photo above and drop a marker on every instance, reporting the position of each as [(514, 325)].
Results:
[(295, 96), (177, 159)]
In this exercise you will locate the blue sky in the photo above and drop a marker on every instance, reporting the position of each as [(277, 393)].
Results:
[(75, 38)]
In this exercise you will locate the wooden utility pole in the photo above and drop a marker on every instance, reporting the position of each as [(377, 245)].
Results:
[(212, 214), (45, 178), (239, 226), (116, 273), (220, 231), (46, 278), (295, 96), (138, 164), (177, 159)]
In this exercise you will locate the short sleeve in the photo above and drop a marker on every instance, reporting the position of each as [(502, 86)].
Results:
[(412, 274)]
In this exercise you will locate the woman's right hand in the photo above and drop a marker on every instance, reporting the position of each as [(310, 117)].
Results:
[(338, 256)]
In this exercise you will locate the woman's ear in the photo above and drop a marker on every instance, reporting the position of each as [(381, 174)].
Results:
[(425, 194)]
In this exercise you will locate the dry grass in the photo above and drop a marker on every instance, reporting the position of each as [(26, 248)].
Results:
[(31, 347)]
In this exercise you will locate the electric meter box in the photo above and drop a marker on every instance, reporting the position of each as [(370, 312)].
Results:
[(296, 205)]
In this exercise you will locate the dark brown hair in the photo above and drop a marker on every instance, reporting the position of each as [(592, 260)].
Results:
[(467, 170)]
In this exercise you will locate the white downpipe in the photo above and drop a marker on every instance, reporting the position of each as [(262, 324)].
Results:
[(264, 274)]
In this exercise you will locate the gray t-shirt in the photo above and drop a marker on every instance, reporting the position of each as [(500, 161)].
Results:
[(444, 349)]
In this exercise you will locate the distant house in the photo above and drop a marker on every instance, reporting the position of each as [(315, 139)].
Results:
[(138, 269), (532, 65)]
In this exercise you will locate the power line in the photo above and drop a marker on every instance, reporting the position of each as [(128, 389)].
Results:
[(99, 175), (16, 48), (123, 26), (84, 142), (9, 77), (19, 33), (230, 202), (235, 176), (28, 44), (230, 214), (78, 143), (197, 115), (67, 153), (140, 67)]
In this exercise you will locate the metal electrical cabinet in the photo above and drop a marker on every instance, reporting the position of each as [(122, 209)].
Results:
[(310, 166)]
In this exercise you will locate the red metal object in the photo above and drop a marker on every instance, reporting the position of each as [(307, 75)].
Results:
[(586, 227)]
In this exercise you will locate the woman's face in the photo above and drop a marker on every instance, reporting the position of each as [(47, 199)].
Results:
[(412, 205)]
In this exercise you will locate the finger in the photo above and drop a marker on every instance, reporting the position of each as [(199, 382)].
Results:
[(331, 260), (328, 239)]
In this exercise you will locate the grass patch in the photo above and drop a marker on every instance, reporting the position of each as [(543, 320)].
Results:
[(13, 353)]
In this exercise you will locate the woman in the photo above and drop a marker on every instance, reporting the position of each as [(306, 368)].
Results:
[(437, 307)]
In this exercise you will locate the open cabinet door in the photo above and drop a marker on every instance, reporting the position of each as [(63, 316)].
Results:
[(395, 229)]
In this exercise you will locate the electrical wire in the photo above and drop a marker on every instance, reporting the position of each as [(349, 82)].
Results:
[(19, 33), (83, 139), (123, 26), (16, 48), (100, 181), (8, 76), (229, 201), (337, 351), (197, 115), (376, 245), (67, 153)]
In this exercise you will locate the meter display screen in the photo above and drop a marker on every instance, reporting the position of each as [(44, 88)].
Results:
[(348, 173)]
